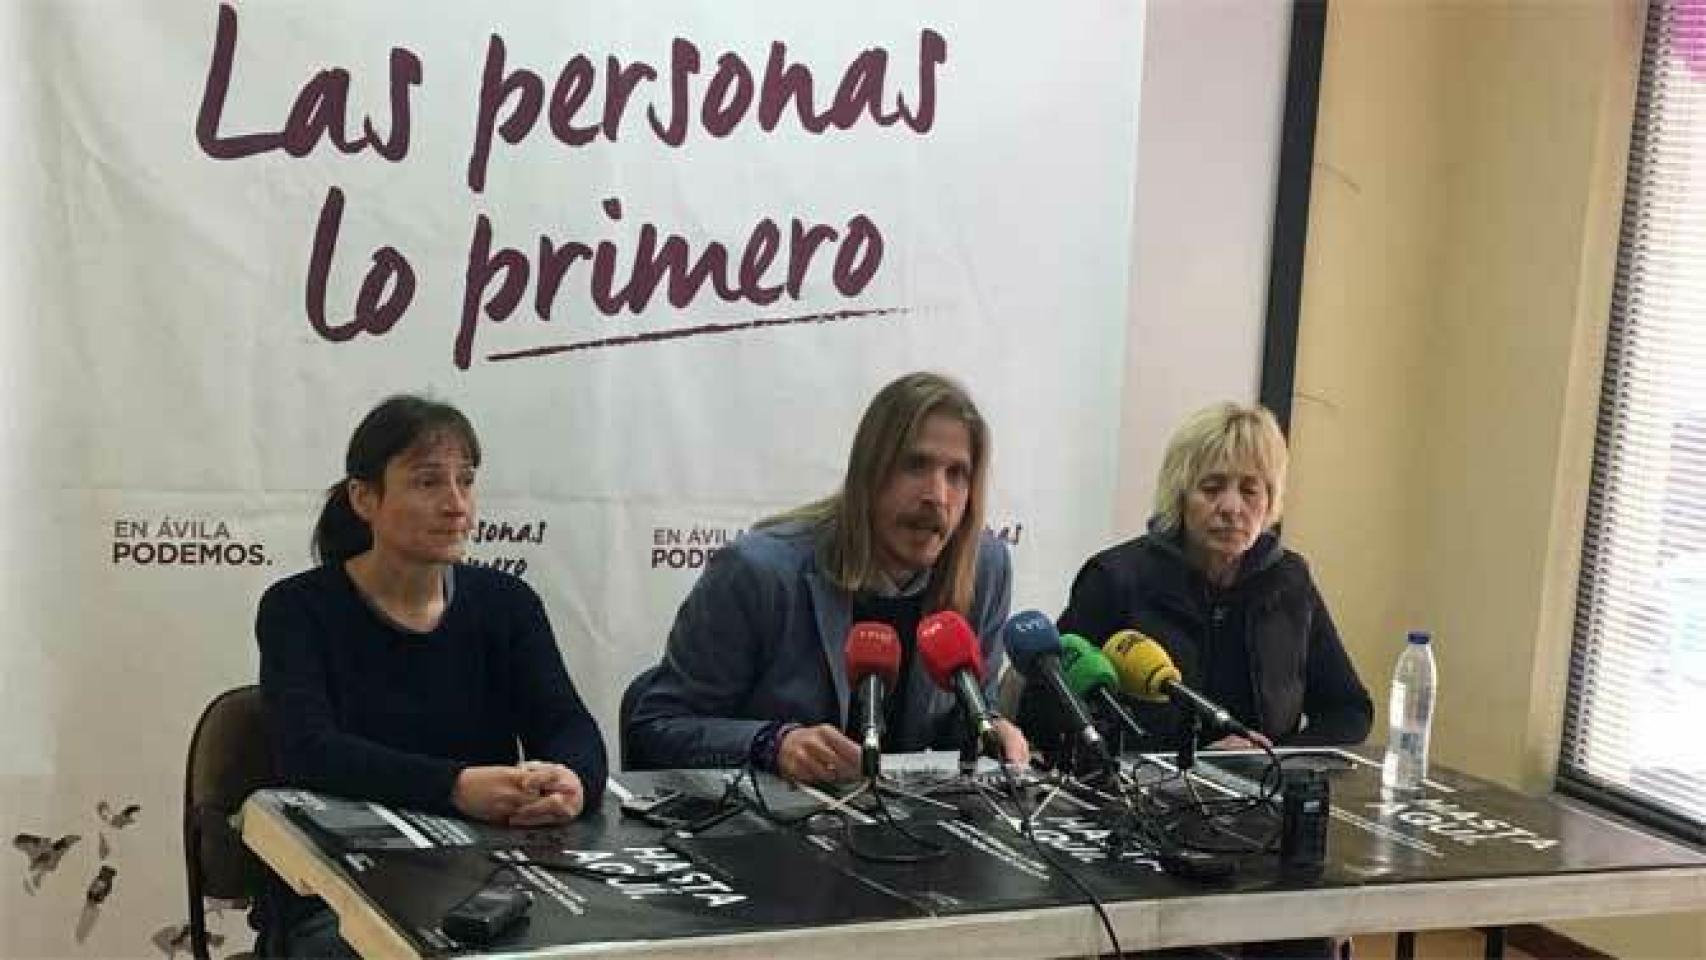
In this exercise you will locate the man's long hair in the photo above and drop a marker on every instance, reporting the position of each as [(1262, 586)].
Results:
[(844, 521)]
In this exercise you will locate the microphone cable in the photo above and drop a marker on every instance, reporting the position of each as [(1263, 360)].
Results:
[(749, 773), (930, 850), (1217, 816), (1027, 830)]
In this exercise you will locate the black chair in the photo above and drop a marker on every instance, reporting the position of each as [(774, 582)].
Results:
[(625, 713), (229, 758)]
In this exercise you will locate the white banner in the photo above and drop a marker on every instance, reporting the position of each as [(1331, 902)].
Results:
[(662, 255)]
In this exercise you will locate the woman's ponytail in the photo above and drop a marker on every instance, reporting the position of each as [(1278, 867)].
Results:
[(340, 532)]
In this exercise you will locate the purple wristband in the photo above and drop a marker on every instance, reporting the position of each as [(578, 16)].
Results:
[(768, 744)]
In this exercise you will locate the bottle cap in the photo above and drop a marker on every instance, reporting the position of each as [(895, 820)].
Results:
[(1419, 636)]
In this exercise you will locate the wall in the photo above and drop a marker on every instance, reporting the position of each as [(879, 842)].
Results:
[(1469, 171), (1212, 104)]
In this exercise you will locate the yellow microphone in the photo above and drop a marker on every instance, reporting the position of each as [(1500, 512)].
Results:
[(1142, 664), (1147, 672)]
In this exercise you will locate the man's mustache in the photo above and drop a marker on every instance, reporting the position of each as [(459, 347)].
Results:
[(931, 520)]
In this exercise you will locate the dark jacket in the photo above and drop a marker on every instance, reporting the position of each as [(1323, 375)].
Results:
[(1301, 688), (360, 707), (762, 638)]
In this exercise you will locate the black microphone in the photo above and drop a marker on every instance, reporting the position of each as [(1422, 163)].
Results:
[(949, 651), (873, 666), (1147, 671), (1035, 647)]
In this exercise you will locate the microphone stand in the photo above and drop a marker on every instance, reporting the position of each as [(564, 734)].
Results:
[(970, 749), (1062, 780), (1188, 743)]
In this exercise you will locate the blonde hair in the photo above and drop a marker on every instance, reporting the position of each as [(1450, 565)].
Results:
[(846, 548), (1226, 435)]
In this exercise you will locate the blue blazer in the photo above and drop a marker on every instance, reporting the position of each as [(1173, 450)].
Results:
[(762, 638)]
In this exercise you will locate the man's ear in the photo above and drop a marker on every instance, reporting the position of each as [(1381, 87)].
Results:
[(363, 498)]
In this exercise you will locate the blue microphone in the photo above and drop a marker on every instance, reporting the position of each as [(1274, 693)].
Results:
[(1034, 645)]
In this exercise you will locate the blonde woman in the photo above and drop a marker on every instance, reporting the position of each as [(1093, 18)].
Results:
[(1239, 614)]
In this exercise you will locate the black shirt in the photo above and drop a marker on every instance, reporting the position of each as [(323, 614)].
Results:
[(361, 707)]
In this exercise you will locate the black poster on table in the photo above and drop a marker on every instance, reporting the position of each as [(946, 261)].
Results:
[(974, 862), (625, 880), (1457, 827), (342, 825), (614, 879)]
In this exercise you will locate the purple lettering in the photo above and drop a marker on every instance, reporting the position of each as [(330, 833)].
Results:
[(574, 85), (554, 263), (213, 100), (604, 266), (858, 257), (784, 81), (684, 62), (385, 293), (652, 263), (319, 111), (405, 73), (932, 53), (666, 264), (495, 90), (861, 91), (802, 244), (722, 112), (619, 84), (760, 253), (483, 266)]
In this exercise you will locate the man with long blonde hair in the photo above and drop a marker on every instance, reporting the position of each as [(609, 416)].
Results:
[(754, 669)]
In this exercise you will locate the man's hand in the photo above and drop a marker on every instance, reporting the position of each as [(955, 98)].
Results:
[(560, 795), (1232, 741), (1014, 747), (492, 794), (820, 754)]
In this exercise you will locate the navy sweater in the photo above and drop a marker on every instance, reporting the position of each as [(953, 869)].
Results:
[(360, 707)]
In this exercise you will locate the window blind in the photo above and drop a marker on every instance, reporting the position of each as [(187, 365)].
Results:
[(1635, 720)]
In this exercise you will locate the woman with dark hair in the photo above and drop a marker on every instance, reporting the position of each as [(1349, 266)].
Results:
[(392, 672)]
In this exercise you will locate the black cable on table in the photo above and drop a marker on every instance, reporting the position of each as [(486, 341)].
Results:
[(1027, 830)]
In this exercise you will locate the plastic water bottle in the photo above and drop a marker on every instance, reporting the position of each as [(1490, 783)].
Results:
[(1411, 712)]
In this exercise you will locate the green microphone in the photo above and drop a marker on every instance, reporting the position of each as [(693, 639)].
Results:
[(1087, 668), (1092, 676)]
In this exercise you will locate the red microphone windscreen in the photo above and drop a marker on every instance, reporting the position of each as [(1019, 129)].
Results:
[(946, 643), (873, 648)]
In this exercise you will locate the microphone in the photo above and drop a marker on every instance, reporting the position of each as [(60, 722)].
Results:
[(948, 648), (1146, 671), (873, 667), (1035, 647), (1090, 675)]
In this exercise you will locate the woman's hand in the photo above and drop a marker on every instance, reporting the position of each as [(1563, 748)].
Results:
[(560, 795), (492, 794), (529, 795)]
